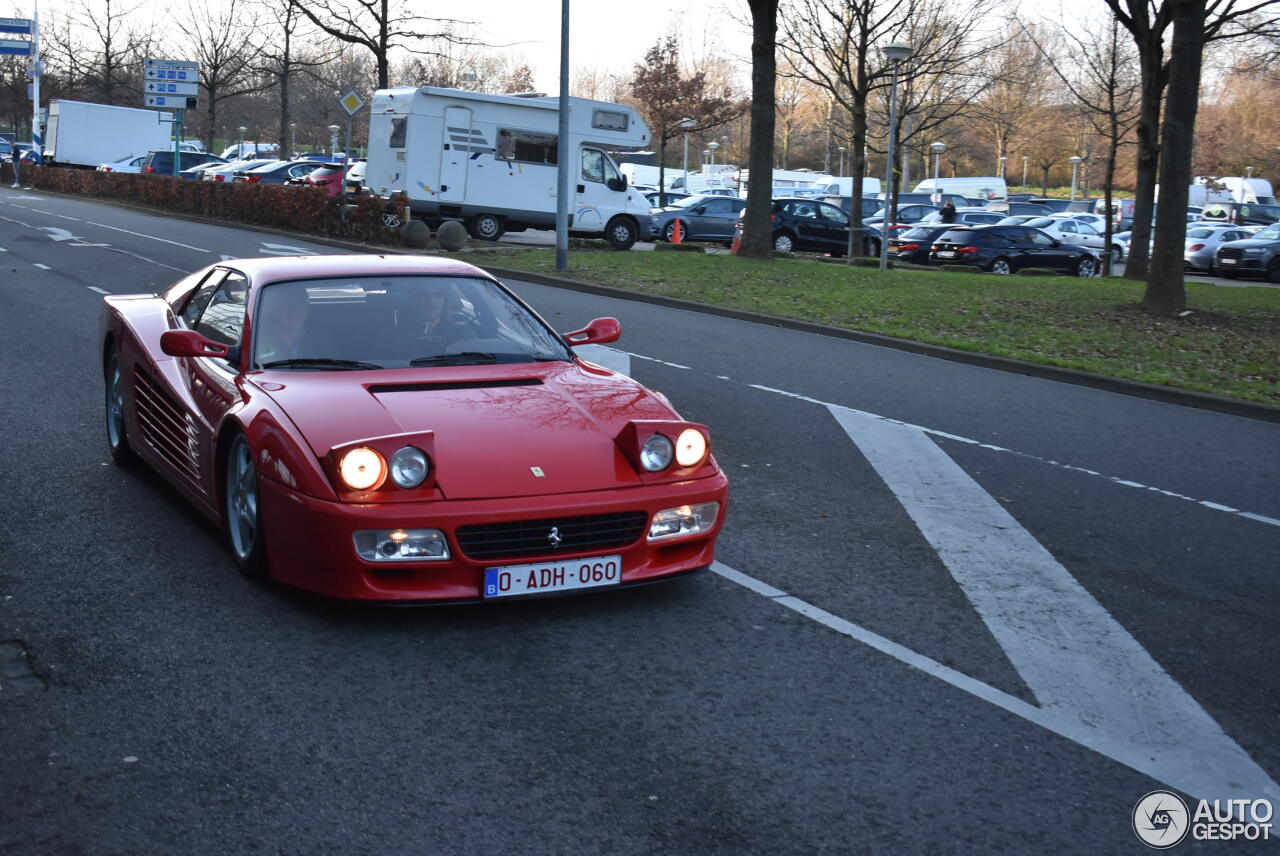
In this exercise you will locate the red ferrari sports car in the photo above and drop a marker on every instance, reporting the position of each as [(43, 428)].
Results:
[(404, 428)]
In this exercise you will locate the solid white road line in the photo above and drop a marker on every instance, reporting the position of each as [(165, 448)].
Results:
[(1101, 686), (151, 237), (42, 267), (99, 290)]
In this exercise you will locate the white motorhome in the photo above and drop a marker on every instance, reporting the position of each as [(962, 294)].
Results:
[(490, 161), (1256, 191), (978, 187)]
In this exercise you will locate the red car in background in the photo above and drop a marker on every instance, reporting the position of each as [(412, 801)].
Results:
[(404, 429), (328, 178)]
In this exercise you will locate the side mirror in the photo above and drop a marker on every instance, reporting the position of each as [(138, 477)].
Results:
[(189, 343), (598, 332), (618, 184)]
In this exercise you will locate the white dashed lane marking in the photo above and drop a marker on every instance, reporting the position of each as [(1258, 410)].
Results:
[(42, 267), (51, 214), (150, 237), (95, 288)]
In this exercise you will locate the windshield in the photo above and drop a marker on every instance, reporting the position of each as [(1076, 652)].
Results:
[(395, 322), (923, 232), (1039, 222), (1271, 233), (689, 202)]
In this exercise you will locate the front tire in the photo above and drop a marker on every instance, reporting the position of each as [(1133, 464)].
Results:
[(784, 243), (486, 227), (242, 507), (117, 438), (1085, 267), (1001, 266), (669, 230), (622, 233)]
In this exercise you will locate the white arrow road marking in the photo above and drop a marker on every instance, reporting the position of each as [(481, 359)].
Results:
[(57, 234), (285, 250), (1096, 685), (149, 237)]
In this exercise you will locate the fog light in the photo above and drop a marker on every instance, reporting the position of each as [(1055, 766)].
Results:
[(685, 520), (401, 545)]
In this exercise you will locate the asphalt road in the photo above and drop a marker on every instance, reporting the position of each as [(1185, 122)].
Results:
[(956, 610)]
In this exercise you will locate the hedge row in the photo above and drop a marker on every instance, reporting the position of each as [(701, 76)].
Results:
[(298, 209)]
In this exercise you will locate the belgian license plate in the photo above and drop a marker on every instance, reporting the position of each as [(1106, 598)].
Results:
[(1227, 261), (540, 577), (946, 254)]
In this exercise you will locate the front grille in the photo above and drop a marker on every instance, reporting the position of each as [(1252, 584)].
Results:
[(1230, 253), (520, 538)]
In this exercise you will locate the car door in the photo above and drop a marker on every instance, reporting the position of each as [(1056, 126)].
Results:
[(1089, 237), (211, 380), (803, 219), (720, 218), (1046, 252), (835, 227)]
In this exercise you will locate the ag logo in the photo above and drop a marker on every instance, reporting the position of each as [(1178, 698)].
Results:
[(1161, 820)]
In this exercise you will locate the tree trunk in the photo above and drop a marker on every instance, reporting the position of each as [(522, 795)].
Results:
[(858, 164), (757, 236), (1166, 290), (1148, 164)]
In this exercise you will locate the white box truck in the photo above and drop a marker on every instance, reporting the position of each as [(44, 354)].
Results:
[(82, 134), (490, 161)]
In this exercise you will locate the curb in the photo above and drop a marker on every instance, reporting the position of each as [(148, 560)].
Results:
[(1137, 389)]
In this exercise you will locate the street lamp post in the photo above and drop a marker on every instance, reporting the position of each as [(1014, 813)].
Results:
[(842, 150), (1024, 172), (1248, 172), (702, 167), (240, 154), (938, 148), (713, 145), (333, 140), (686, 124), (896, 53), (1002, 162), (293, 138), (1075, 171)]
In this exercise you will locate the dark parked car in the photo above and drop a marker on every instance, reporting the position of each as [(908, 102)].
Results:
[(913, 245), (1005, 249), (870, 204), (276, 172), (702, 218), (906, 213), (161, 162), (1241, 213), (1256, 256), (809, 224), (971, 216)]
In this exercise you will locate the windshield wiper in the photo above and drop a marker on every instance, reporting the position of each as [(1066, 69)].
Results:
[(458, 358), (320, 363)]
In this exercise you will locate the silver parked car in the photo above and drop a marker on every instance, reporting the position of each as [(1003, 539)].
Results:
[(1203, 240)]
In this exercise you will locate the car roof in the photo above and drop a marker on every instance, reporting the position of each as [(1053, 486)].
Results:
[(274, 268)]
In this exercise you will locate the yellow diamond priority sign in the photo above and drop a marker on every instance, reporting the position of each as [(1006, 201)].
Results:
[(351, 103)]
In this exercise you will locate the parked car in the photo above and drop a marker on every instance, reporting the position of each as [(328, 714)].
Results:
[(809, 224), (1007, 209), (913, 245), (701, 218), (1097, 221), (196, 172), (355, 176), (1255, 256), (975, 216), (327, 177), (1006, 249), (301, 436), (274, 172), (1203, 240), (1241, 213), (160, 162), (1069, 232), (226, 171), (906, 214), (1017, 219), (126, 165), (672, 197), (870, 204), (1054, 205)]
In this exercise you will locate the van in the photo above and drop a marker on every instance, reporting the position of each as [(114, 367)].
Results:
[(980, 187), (490, 161), (844, 186)]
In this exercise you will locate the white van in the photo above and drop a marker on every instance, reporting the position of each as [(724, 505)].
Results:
[(844, 186), (490, 161), (1257, 191), (980, 187)]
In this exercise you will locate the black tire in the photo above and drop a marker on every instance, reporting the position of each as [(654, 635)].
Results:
[(122, 453), (242, 509), (669, 229), (486, 227), (622, 233), (784, 242), (1273, 270), (1001, 267), (1086, 267), (873, 248)]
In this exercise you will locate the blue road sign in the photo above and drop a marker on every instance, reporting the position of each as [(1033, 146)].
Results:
[(15, 47), (15, 25)]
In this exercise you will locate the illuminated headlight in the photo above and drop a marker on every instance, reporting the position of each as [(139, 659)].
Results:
[(362, 468), (655, 454), (685, 520), (409, 467), (401, 545), (691, 447)]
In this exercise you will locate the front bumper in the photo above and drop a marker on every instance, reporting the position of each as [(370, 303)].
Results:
[(309, 540)]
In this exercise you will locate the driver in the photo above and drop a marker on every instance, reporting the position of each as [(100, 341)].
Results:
[(433, 315), (283, 332)]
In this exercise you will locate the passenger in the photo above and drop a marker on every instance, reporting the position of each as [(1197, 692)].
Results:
[(283, 331)]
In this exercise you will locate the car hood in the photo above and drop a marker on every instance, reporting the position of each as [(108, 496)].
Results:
[(1250, 242), (492, 425)]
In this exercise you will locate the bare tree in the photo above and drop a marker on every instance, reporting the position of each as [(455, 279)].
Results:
[(279, 60), (667, 97), (1016, 69), (100, 50), (222, 42), (380, 26)]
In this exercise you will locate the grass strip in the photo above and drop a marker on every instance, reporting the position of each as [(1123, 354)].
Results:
[(1229, 344)]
